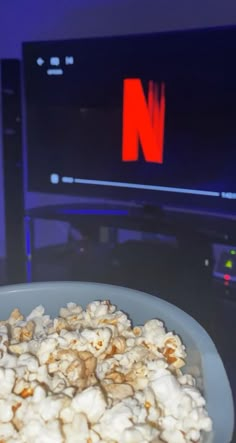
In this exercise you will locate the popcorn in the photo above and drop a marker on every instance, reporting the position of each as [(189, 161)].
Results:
[(37, 312), (50, 407), (29, 361), (140, 434), (117, 346), (91, 402), (114, 421), (7, 381), (70, 310), (153, 330), (38, 431), (6, 412), (46, 347), (6, 431), (15, 318), (95, 340), (173, 436), (118, 391), (8, 360), (167, 390), (79, 428), (89, 376), (138, 376), (3, 338)]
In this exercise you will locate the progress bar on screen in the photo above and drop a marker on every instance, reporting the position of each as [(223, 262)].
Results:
[(56, 179)]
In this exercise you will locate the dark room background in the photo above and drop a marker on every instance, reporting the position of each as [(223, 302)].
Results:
[(60, 19)]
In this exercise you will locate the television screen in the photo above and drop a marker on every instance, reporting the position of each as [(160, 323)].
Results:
[(149, 118)]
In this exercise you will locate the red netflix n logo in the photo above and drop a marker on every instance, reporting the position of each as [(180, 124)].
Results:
[(143, 121)]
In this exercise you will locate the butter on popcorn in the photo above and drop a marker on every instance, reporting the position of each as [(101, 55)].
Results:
[(91, 376)]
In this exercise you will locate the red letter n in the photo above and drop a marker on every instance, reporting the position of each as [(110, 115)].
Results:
[(143, 121)]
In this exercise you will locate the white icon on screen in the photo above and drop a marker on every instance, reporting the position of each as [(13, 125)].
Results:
[(40, 61), (69, 60), (54, 179), (54, 61), (55, 71)]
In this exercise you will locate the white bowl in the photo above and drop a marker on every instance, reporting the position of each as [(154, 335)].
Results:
[(203, 358)]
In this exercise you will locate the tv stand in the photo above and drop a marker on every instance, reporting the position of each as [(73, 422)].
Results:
[(195, 234), (146, 218), (153, 211)]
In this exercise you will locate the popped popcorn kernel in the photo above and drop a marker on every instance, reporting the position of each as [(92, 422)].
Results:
[(91, 376)]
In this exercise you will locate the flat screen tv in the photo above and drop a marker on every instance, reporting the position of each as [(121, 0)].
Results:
[(147, 118)]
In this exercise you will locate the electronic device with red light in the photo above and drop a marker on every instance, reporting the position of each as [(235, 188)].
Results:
[(225, 268)]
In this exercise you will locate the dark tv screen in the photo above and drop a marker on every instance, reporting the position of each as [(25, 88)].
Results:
[(149, 118)]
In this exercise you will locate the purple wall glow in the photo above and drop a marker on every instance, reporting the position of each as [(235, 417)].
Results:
[(29, 21)]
